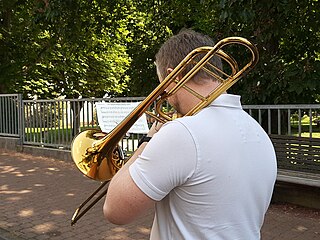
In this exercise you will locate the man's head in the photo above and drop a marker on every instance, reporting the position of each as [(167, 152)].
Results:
[(176, 48), (171, 53)]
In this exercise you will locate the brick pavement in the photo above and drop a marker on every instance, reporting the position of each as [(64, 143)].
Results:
[(39, 195)]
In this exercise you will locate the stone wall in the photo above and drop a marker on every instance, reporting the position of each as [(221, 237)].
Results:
[(13, 144)]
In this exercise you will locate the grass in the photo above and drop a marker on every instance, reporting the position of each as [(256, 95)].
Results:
[(307, 134)]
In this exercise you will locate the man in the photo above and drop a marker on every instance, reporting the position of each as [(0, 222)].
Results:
[(209, 176)]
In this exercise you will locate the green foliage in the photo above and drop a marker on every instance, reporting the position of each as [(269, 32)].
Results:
[(72, 48), (87, 48), (147, 34), (287, 35)]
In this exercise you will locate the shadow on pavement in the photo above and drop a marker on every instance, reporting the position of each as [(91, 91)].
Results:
[(39, 195)]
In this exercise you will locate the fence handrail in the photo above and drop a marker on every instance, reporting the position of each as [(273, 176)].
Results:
[(283, 106), (113, 99)]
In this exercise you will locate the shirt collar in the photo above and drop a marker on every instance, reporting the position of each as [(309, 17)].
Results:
[(227, 100)]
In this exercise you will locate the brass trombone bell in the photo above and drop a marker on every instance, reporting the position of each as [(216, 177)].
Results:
[(93, 161)]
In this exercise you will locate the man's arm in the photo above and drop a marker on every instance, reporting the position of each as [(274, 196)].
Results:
[(125, 201)]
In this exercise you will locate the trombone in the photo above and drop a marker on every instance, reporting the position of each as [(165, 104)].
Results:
[(100, 157)]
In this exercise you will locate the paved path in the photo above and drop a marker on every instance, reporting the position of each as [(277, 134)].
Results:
[(39, 195)]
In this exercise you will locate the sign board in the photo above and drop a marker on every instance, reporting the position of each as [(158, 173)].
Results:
[(111, 114)]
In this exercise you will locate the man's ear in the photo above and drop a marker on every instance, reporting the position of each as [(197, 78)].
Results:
[(169, 70)]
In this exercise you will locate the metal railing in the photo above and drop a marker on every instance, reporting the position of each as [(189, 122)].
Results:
[(54, 123), (301, 120), (10, 115)]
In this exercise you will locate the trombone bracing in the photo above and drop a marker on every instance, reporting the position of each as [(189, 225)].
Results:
[(99, 157)]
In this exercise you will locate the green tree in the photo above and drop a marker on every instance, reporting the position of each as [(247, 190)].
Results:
[(287, 34), (11, 39), (147, 33), (89, 48), (72, 48)]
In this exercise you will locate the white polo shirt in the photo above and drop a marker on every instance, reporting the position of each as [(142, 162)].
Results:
[(212, 174)]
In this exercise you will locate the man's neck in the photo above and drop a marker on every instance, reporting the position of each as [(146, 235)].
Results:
[(204, 90)]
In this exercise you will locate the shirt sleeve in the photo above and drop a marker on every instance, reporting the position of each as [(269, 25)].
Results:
[(168, 161)]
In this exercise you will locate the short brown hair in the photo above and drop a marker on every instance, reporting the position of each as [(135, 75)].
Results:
[(176, 48)]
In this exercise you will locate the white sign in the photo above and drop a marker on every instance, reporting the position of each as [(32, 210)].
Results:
[(111, 114)]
